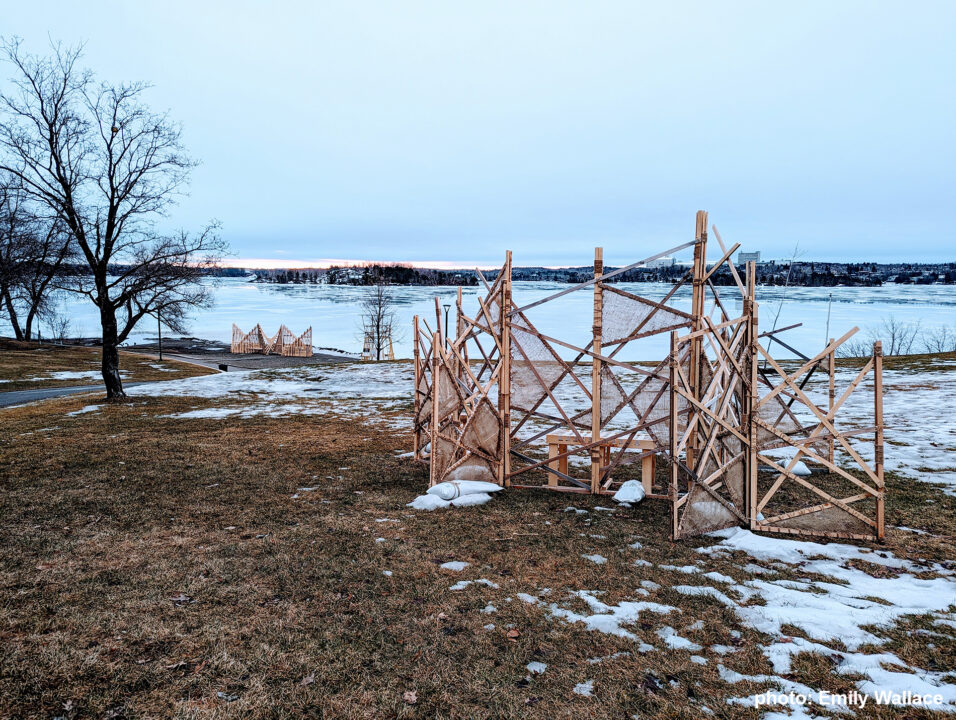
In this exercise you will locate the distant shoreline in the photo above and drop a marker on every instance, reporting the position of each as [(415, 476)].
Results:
[(796, 274)]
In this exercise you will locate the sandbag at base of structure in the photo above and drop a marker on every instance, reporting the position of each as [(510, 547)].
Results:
[(629, 493), (433, 502), (457, 493), (457, 488)]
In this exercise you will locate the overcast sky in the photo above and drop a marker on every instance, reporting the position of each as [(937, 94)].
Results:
[(451, 131)]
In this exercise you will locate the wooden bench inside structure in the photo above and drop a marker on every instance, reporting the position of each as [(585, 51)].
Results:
[(558, 445)]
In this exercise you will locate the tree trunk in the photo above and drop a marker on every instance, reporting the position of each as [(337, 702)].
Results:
[(28, 328), (12, 313), (111, 375)]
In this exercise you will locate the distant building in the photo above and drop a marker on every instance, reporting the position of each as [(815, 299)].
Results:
[(745, 257), (662, 262)]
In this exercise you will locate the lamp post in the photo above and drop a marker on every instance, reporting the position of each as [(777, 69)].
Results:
[(446, 306)]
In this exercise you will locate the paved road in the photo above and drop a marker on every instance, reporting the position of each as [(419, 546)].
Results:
[(21, 397)]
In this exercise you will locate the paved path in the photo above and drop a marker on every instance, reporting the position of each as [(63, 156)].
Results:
[(21, 397)]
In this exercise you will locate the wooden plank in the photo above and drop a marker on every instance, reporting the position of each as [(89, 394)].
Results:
[(504, 384), (878, 438), (608, 276), (733, 270), (597, 330)]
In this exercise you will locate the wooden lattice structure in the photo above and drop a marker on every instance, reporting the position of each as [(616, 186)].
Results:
[(284, 342), (369, 347), (713, 411)]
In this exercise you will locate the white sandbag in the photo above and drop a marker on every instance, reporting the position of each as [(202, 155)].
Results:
[(468, 500), (455, 489), (428, 502), (631, 491)]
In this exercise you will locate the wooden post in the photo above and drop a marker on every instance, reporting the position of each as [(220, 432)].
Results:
[(832, 373), (674, 435), (416, 354), (752, 432), (159, 329), (433, 451), (697, 321), (463, 350), (878, 439), (504, 379), (596, 372)]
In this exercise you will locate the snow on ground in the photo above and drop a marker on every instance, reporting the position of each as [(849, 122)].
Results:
[(84, 410), (840, 608), (353, 389), (92, 375), (921, 432), (920, 424)]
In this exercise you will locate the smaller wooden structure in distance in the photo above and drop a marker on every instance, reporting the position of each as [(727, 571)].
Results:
[(283, 342), (368, 347)]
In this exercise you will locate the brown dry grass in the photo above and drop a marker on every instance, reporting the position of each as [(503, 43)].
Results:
[(20, 361), (148, 564)]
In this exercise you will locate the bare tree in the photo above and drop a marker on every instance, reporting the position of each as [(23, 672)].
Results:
[(33, 250), (378, 318), (108, 168), (939, 340), (899, 337)]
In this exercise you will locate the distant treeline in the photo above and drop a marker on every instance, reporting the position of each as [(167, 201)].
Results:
[(801, 274), (368, 275)]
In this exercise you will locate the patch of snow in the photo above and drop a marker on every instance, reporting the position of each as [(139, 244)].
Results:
[(607, 618), (705, 590), (84, 410), (719, 577), (596, 559), (536, 668), (454, 565), (614, 656), (674, 641), (688, 569), (462, 584), (870, 666), (161, 368), (585, 688)]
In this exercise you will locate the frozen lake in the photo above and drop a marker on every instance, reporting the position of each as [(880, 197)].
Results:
[(333, 311)]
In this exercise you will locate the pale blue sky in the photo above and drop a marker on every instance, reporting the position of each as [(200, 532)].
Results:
[(456, 130)]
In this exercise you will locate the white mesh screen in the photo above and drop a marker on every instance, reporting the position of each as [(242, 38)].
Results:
[(622, 316)]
